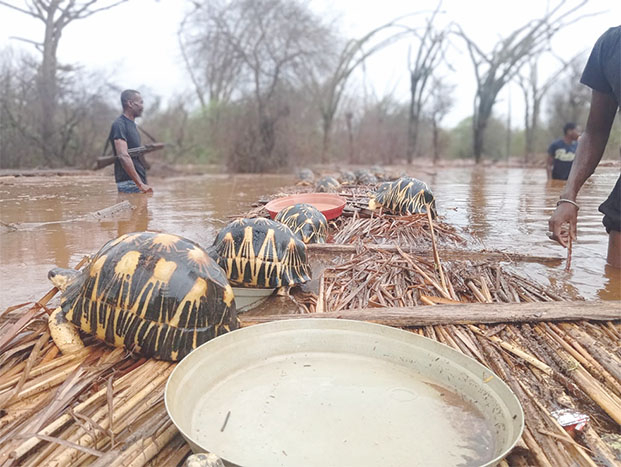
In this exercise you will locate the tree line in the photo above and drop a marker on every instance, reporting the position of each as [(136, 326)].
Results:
[(271, 86)]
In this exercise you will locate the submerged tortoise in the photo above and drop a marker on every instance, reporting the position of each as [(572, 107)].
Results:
[(305, 221), (157, 294), (327, 184), (261, 253), (404, 196)]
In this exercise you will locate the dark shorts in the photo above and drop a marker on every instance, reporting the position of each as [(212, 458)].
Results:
[(611, 208), (128, 186)]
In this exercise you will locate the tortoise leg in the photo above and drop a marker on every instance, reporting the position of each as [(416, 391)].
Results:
[(203, 460), (283, 291), (65, 334)]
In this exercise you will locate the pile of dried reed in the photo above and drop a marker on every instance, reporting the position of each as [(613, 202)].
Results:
[(87, 408), (380, 278), (79, 409), (413, 231)]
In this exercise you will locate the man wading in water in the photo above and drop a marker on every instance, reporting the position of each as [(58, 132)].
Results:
[(130, 173), (603, 75), (562, 152)]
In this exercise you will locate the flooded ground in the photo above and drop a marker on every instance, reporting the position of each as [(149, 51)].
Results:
[(505, 209)]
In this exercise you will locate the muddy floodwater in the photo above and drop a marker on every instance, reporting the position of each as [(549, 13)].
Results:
[(505, 209)]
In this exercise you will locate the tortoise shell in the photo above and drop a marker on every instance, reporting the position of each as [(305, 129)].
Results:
[(405, 196), (365, 177), (306, 175), (261, 253), (379, 172), (347, 176), (305, 221), (327, 184), (157, 294)]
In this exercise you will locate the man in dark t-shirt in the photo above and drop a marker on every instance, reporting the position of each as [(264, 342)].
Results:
[(129, 171), (603, 75), (562, 152)]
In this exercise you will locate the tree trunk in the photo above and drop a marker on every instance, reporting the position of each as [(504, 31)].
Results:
[(479, 125), (325, 146), (412, 122), (350, 137), (47, 85), (436, 137), (478, 133)]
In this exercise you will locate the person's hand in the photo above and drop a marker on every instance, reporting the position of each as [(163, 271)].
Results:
[(566, 213), (145, 188)]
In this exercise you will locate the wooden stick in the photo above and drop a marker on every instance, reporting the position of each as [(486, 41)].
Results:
[(120, 412), (110, 211), (610, 403), (121, 383), (321, 299), (466, 314), (447, 253), (44, 367), (601, 450), (436, 256), (515, 351), (560, 430), (588, 362)]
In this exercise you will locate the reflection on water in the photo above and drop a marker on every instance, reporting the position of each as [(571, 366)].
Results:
[(508, 209), (505, 208), (195, 207)]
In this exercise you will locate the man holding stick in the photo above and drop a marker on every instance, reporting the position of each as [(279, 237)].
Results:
[(129, 170), (603, 75)]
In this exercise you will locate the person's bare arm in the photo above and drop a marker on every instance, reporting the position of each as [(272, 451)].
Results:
[(590, 150), (120, 146)]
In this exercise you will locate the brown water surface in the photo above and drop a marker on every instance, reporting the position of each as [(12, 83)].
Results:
[(505, 208)]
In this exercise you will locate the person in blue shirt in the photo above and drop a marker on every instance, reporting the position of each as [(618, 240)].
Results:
[(130, 172), (562, 152), (602, 74)]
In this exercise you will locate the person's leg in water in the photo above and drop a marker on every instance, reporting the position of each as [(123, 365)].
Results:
[(611, 208), (614, 249)]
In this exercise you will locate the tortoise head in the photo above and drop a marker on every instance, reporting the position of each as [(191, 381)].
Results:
[(61, 278), (379, 198)]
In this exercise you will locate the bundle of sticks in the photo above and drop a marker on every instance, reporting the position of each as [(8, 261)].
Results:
[(86, 408), (82, 408)]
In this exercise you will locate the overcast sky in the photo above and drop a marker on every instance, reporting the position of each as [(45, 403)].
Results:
[(136, 42)]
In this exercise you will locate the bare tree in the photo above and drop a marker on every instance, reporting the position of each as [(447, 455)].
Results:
[(495, 69), (214, 66), (271, 39), (429, 54), (55, 15), (568, 99), (81, 114), (534, 93), (328, 81), (440, 103), (381, 129)]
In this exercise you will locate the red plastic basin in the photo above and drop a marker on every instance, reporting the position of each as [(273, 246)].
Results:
[(329, 204)]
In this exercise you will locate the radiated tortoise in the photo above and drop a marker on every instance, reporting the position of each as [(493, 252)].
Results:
[(404, 196), (157, 294), (327, 184), (305, 221), (261, 253)]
